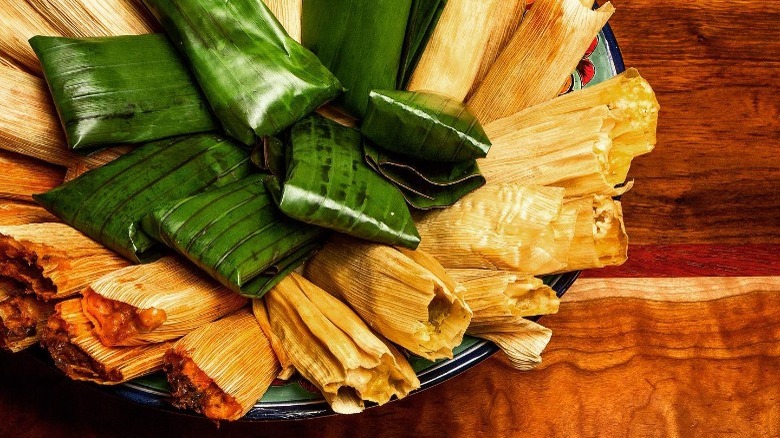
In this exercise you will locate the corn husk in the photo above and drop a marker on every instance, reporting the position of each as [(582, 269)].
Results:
[(222, 368), (22, 177), (520, 339), (260, 310), (53, 260), (334, 349), (18, 23), (94, 18), (416, 305), (540, 56), (22, 213), (80, 355), (288, 12), (155, 302), (21, 317), (6, 62)]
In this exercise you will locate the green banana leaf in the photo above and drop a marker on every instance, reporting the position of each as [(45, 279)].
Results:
[(257, 79), (329, 184), (425, 185), (236, 234), (108, 203), (360, 41), (424, 126), (125, 89), (422, 21), (268, 156)]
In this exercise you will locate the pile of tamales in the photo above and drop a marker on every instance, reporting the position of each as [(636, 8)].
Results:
[(197, 218)]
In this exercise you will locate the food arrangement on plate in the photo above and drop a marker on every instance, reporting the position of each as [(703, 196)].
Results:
[(330, 189)]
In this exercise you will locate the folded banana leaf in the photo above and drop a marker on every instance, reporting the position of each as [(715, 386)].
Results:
[(268, 156), (107, 203), (424, 184), (422, 20), (257, 79), (360, 41), (125, 89), (424, 126), (329, 184), (236, 234)]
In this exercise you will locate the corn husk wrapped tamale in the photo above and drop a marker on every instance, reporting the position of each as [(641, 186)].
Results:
[(155, 302), (24, 176), (6, 62), (259, 81), (21, 316), (68, 337), (404, 295), (96, 18), (53, 260), (260, 310), (520, 339), (540, 56), (20, 22), (133, 89), (22, 213), (423, 18), (289, 13), (222, 368), (109, 202), (334, 349)]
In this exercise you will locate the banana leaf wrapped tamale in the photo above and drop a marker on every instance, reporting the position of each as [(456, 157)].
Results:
[(131, 89), (22, 177), (236, 234), (22, 213), (257, 79), (329, 184), (21, 316), (423, 18), (109, 202), (260, 310), (334, 349)]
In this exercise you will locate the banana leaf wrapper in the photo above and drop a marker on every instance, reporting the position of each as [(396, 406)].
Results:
[(109, 202), (127, 89), (269, 156), (425, 185), (21, 316), (360, 42), (257, 79), (425, 126), (423, 18), (329, 184), (24, 176), (236, 234)]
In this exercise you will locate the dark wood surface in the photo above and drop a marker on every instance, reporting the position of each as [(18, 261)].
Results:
[(684, 340)]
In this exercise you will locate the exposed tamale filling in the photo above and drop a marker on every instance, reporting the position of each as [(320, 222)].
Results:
[(19, 317), (192, 389), (116, 321), (20, 264)]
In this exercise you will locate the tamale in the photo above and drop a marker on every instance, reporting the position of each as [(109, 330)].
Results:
[(360, 42), (18, 23), (404, 295), (540, 56), (24, 176), (334, 349), (131, 89), (22, 213), (68, 337), (95, 18), (108, 203), (222, 368), (236, 234), (289, 13), (329, 184), (260, 310), (423, 18), (21, 318), (520, 339), (258, 80), (156, 302), (53, 260)]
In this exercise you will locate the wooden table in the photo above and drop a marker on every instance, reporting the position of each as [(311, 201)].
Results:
[(684, 340)]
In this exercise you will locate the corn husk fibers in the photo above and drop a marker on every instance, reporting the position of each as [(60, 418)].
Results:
[(260, 310), (402, 299), (334, 349), (521, 340), (23, 176), (21, 213), (288, 12), (95, 18), (18, 23)]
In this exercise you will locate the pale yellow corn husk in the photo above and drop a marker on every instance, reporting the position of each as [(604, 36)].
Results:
[(23, 213), (54, 260), (260, 310), (288, 12), (234, 353), (521, 340), (19, 22), (540, 56), (94, 18), (6, 62), (403, 300), (23, 176), (334, 349), (80, 355), (505, 227), (21, 318)]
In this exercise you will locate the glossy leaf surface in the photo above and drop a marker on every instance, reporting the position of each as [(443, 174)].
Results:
[(422, 21)]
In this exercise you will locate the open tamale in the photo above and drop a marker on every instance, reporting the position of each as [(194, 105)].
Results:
[(288, 12), (22, 213), (404, 295), (258, 80), (68, 337), (23, 176), (109, 202), (334, 349), (19, 23), (132, 89), (222, 368), (520, 339), (260, 310), (95, 18), (21, 316)]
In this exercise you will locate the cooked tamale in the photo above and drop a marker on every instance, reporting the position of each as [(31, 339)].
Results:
[(258, 80), (543, 52), (132, 89), (21, 317), (260, 310), (423, 18), (236, 234), (404, 295), (222, 368), (155, 302), (22, 213), (53, 260), (288, 12), (109, 202), (20, 22), (24, 176), (95, 18), (520, 339), (68, 337), (334, 349), (360, 42)]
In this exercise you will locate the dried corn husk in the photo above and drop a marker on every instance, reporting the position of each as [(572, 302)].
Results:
[(6, 62), (53, 260), (93, 18), (260, 310), (155, 302), (416, 305), (21, 317), (288, 12), (540, 56), (80, 355), (520, 339), (334, 349), (23, 177), (222, 368), (22, 213), (18, 23)]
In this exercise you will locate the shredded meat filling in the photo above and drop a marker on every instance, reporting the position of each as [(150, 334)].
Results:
[(20, 264), (115, 322), (192, 389), (19, 318)]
